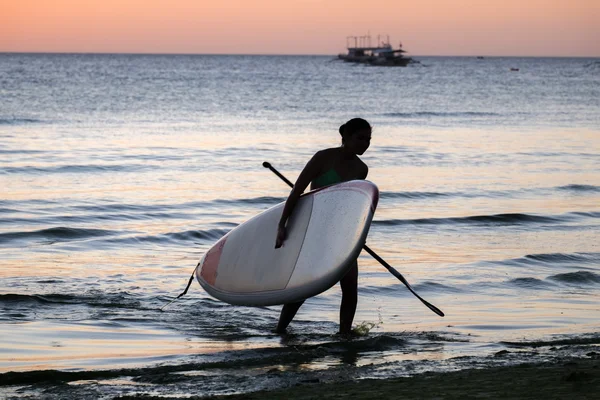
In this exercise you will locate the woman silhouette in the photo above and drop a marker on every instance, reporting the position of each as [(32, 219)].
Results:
[(327, 167)]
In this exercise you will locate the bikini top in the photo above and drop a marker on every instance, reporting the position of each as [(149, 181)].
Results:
[(328, 178)]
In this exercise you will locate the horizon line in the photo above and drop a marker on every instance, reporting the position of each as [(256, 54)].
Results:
[(278, 54)]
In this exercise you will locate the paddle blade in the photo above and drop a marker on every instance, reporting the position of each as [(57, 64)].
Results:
[(403, 280)]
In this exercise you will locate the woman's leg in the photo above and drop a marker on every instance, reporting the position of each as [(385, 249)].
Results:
[(287, 315), (349, 285)]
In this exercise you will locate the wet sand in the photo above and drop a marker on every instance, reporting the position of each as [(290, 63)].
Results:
[(566, 379)]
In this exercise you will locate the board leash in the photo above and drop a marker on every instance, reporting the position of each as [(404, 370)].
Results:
[(391, 269), (184, 292)]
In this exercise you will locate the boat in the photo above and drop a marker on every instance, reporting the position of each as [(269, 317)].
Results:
[(383, 54)]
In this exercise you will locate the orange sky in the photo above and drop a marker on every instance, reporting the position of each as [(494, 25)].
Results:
[(425, 27)]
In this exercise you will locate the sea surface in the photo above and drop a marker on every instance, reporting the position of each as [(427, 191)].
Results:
[(117, 172)]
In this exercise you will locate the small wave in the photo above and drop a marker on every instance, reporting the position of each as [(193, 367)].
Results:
[(211, 234), (498, 219), (588, 214), (436, 287), (56, 234), (73, 169), (397, 289), (255, 200), (54, 376), (415, 195), (579, 277), (576, 341), (21, 151), (19, 121), (376, 343), (400, 149), (561, 258), (75, 219), (117, 207), (442, 337), (529, 283), (433, 114), (379, 290), (37, 298), (177, 237), (110, 300), (19, 298), (593, 64), (565, 260), (579, 188)]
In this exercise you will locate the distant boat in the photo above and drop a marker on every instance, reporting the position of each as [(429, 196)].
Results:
[(383, 54)]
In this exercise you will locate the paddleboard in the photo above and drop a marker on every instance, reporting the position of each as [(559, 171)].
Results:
[(326, 233)]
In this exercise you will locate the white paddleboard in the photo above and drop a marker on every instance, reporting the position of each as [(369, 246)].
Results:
[(326, 233)]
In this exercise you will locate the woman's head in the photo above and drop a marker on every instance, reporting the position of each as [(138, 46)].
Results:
[(356, 135)]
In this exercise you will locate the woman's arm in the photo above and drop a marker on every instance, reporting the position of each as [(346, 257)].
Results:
[(310, 172)]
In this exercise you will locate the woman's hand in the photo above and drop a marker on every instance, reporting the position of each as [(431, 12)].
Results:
[(281, 236)]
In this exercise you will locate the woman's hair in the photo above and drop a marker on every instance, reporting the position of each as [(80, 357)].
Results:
[(351, 127)]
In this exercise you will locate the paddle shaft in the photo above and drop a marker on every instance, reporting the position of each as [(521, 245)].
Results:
[(392, 270)]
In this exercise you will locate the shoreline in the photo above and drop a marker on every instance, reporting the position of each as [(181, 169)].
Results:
[(561, 369), (567, 378)]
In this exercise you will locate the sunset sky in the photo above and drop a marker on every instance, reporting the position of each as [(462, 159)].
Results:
[(425, 27)]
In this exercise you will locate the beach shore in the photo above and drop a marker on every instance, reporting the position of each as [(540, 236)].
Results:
[(577, 378)]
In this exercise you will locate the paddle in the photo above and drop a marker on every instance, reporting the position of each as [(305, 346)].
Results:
[(392, 270)]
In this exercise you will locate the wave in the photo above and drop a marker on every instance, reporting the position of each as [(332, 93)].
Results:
[(255, 200), (398, 289), (419, 114), (74, 169), (124, 207), (21, 151), (416, 195), (579, 188), (567, 261), (587, 214), (96, 299), (146, 208), (57, 234), (529, 283), (579, 277), (574, 188), (210, 234), (160, 209), (554, 154), (19, 121), (436, 287), (583, 340), (513, 193), (193, 236), (562, 258), (486, 220), (34, 298), (74, 219), (593, 64)]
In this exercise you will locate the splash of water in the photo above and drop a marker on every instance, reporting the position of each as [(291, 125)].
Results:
[(365, 327)]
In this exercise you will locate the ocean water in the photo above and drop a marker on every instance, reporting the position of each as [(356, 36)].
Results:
[(119, 171)]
